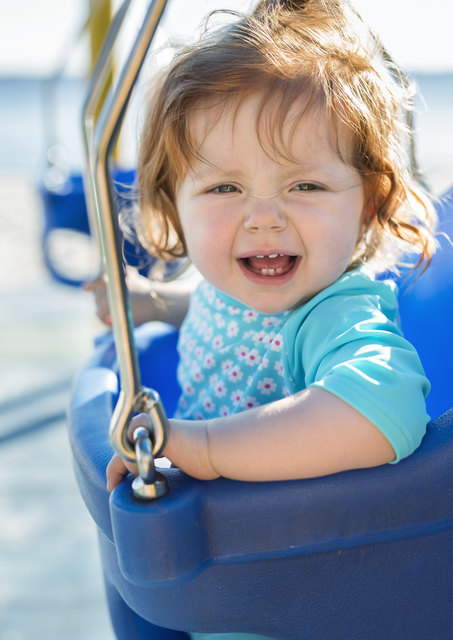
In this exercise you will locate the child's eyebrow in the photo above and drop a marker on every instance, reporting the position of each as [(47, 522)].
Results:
[(206, 169)]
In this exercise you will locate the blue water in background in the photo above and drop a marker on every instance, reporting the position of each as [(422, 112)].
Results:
[(36, 112)]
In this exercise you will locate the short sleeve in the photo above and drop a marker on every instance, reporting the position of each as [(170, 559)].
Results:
[(350, 345)]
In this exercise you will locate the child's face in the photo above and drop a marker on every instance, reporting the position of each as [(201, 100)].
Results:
[(268, 231)]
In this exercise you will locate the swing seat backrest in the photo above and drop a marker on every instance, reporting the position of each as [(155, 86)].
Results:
[(426, 309)]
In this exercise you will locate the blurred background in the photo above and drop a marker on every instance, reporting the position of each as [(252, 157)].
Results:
[(51, 584)]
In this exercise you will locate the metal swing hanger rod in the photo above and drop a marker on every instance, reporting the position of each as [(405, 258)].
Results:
[(100, 135), (98, 81)]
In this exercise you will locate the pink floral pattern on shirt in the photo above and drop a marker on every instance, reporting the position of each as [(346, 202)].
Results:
[(230, 357)]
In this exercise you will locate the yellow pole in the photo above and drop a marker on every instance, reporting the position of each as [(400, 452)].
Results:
[(99, 21)]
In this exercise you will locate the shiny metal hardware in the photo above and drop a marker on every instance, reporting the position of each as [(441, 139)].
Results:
[(100, 135), (149, 484), (151, 405)]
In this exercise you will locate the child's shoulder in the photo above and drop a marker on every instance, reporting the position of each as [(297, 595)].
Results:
[(353, 313), (359, 289), (357, 297), (361, 282)]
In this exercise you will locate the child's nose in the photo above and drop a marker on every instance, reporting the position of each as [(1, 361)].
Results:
[(264, 215)]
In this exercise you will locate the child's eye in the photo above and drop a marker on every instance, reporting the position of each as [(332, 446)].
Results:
[(224, 188), (305, 186)]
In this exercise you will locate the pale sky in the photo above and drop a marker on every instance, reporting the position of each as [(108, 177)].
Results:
[(34, 35)]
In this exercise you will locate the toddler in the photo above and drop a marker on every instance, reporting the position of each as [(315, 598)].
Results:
[(275, 155)]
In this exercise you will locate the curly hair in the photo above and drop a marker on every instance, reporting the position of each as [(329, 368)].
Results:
[(323, 50)]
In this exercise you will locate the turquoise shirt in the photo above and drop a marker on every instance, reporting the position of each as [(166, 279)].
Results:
[(345, 340)]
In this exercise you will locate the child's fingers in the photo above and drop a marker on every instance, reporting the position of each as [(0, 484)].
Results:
[(116, 470), (140, 420), (103, 309), (93, 285), (117, 467), (98, 288)]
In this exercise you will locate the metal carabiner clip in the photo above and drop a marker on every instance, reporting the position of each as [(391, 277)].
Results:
[(149, 484), (149, 402), (148, 444)]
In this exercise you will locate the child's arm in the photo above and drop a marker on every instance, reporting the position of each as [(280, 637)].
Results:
[(165, 302), (309, 434)]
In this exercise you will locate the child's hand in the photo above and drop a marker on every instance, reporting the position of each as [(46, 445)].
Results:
[(187, 448), (139, 295), (117, 469), (165, 302), (98, 288)]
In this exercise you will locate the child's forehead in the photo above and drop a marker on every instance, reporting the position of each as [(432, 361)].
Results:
[(276, 127), (260, 110)]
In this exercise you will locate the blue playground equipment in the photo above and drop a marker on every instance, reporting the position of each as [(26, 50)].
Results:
[(65, 208), (360, 554), (426, 307)]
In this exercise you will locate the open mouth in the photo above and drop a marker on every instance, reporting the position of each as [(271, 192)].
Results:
[(273, 265)]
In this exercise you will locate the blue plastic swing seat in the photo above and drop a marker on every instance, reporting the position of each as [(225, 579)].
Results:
[(64, 208), (364, 554)]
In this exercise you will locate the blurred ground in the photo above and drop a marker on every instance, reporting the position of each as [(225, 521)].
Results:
[(51, 584)]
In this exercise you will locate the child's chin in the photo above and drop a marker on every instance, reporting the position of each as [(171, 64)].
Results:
[(269, 308)]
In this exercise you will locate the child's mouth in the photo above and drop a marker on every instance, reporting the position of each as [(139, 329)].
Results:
[(273, 265)]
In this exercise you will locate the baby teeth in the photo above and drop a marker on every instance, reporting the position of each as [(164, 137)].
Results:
[(271, 255), (271, 272)]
